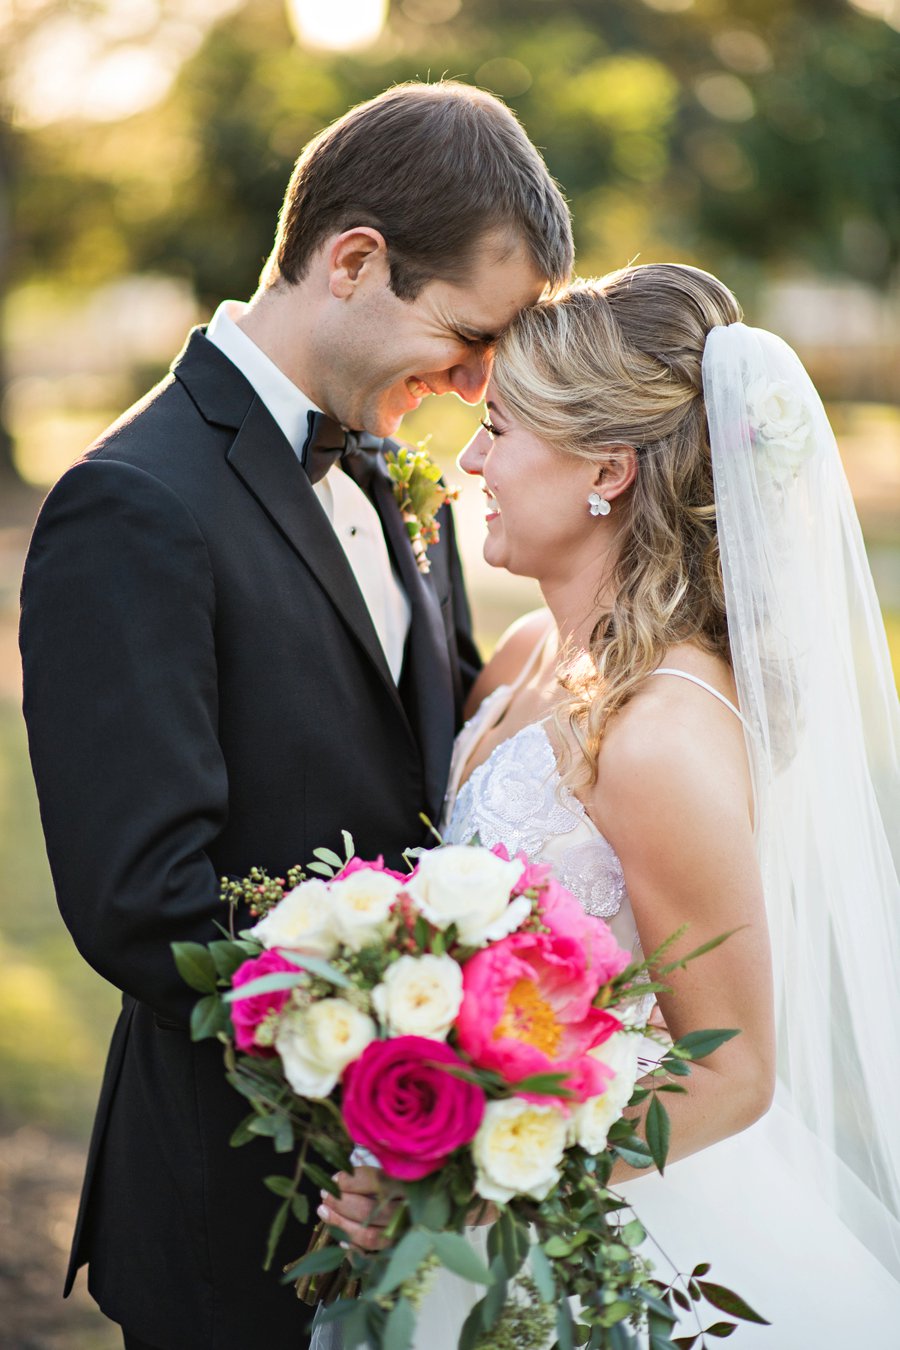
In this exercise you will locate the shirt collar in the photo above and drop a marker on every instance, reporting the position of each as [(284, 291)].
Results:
[(287, 404)]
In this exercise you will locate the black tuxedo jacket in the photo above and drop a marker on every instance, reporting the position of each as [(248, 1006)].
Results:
[(205, 691)]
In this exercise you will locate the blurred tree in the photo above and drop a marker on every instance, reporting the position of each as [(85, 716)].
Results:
[(745, 135)]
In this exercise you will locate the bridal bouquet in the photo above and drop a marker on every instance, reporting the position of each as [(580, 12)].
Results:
[(473, 1032)]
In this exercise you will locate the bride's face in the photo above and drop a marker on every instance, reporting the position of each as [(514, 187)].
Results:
[(536, 498)]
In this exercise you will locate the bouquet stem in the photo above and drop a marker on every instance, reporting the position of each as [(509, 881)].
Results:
[(328, 1285)]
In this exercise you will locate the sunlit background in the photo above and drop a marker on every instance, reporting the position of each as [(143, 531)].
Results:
[(144, 149)]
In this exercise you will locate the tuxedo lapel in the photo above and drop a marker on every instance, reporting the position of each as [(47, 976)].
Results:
[(267, 465), (430, 682)]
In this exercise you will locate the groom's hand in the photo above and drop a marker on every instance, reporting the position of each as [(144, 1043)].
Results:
[(363, 1210)]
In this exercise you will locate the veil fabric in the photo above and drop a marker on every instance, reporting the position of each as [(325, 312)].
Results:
[(815, 685)]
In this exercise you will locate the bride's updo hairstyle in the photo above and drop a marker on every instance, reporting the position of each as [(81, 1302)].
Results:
[(613, 362)]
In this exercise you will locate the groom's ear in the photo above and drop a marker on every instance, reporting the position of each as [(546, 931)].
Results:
[(354, 255), (616, 472)]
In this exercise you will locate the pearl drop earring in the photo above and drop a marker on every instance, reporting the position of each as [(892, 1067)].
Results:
[(599, 505)]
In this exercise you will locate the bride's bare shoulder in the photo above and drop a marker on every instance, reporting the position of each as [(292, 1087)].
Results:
[(512, 652), (674, 742)]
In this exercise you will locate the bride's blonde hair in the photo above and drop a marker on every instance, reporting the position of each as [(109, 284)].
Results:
[(612, 362)]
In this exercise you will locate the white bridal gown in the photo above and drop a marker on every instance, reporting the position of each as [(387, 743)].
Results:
[(741, 1205)]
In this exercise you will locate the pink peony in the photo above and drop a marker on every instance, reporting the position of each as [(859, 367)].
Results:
[(534, 874), (528, 999), (401, 1104), (248, 1013), (360, 865)]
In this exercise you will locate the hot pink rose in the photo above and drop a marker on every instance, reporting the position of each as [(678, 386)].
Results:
[(528, 999), (360, 865), (401, 1104), (248, 1013)]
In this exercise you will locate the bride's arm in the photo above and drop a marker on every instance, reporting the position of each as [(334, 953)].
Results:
[(673, 799), (512, 651)]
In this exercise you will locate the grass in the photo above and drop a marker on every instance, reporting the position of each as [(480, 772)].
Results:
[(55, 1012)]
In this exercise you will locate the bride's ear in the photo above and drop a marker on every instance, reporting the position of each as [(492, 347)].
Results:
[(616, 472)]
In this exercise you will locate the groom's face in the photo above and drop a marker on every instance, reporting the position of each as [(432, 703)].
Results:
[(389, 354)]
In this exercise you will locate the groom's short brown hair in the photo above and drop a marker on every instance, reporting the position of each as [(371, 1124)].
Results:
[(434, 168)]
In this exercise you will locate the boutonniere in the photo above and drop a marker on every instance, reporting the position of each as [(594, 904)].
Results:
[(420, 495)]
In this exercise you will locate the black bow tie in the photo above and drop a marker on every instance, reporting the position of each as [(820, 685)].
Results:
[(327, 441)]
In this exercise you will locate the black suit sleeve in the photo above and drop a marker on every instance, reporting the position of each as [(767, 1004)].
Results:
[(470, 662), (120, 699)]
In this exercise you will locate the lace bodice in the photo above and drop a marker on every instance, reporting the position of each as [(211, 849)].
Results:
[(516, 797)]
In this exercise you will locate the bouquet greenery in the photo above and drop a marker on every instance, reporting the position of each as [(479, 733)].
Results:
[(473, 1032)]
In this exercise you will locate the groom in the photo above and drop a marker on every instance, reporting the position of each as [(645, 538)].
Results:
[(230, 654)]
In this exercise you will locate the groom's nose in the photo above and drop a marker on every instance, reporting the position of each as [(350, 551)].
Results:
[(470, 377), (472, 456)]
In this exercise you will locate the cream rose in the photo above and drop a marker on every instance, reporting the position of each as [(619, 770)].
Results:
[(470, 887), (316, 1044), (419, 996), (780, 424), (590, 1122), (361, 903), (518, 1149), (301, 922)]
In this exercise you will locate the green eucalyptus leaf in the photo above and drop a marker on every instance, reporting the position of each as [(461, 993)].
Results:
[(316, 966), (720, 1329), (632, 1156), (401, 1322), (265, 984), (300, 1208), (275, 1233), (242, 1134), (407, 1256), (458, 1255), (699, 1044), (284, 1135), (195, 966), (564, 1325), (727, 1301), (658, 1130), (321, 1179), (328, 855), (699, 1271), (542, 1272), (283, 1186), (321, 870), (315, 1263), (472, 1328), (686, 1342)]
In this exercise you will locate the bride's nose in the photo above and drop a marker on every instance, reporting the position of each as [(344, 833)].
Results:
[(472, 456)]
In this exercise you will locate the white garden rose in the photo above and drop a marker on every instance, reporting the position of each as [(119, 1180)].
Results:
[(360, 905), (301, 922), (590, 1122), (780, 423), (469, 887), (420, 996), (317, 1043), (518, 1149)]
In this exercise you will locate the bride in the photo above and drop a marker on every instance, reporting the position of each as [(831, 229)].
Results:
[(701, 728)]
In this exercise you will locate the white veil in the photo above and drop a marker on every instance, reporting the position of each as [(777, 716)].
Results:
[(815, 685)]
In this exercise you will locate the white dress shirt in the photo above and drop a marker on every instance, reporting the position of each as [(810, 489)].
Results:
[(353, 517)]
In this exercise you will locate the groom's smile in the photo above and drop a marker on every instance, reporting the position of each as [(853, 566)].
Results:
[(390, 353)]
